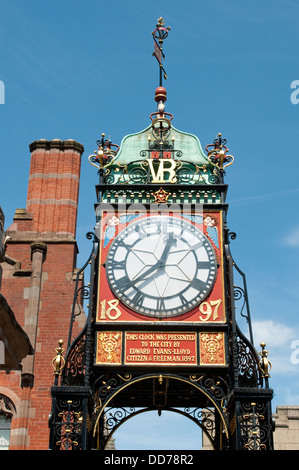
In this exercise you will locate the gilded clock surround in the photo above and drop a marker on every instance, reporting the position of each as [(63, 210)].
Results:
[(155, 270), (210, 305)]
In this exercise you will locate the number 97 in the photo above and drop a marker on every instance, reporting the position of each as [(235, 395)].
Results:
[(209, 309)]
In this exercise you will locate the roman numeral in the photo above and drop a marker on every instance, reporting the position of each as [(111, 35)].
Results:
[(162, 226), (122, 243), (203, 264), (197, 245), (123, 283), (138, 298), (119, 264), (160, 304), (141, 232), (198, 284), (183, 300)]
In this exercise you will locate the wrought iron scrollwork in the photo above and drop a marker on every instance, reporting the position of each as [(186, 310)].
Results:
[(232, 235), (249, 374), (214, 388), (82, 294), (77, 354), (213, 179), (203, 417), (133, 173), (186, 173), (138, 174), (115, 416), (241, 294), (74, 370), (217, 387), (68, 426), (255, 431), (109, 384), (108, 177)]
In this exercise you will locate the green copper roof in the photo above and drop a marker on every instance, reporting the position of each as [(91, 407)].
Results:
[(188, 144)]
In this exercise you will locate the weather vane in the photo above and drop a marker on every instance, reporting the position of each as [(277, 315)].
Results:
[(159, 35)]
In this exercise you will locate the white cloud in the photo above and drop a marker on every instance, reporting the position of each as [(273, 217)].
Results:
[(279, 339), (292, 239), (257, 198), (274, 334)]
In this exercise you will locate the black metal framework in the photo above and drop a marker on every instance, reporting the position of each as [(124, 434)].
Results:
[(205, 418), (232, 407), (232, 403)]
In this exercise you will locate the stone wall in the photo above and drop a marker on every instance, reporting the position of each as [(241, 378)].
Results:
[(286, 435)]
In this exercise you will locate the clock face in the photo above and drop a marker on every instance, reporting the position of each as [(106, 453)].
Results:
[(161, 266)]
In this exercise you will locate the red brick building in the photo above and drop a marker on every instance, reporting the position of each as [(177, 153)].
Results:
[(38, 282)]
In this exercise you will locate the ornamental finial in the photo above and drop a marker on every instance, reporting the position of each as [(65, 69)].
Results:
[(161, 120), (264, 364), (159, 35), (105, 154), (58, 362), (217, 154)]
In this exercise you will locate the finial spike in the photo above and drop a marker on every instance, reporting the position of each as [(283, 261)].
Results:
[(58, 362), (159, 35)]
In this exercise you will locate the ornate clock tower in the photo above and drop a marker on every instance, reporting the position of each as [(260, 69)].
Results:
[(161, 330)]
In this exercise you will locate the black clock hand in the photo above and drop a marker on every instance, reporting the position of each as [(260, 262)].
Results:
[(170, 241), (141, 277), (161, 262)]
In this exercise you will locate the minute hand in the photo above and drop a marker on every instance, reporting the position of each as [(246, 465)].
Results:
[(160, 263), (170, 241)]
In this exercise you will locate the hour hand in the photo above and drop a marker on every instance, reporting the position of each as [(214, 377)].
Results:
[(152, 268), (161, 262), (169, 242)]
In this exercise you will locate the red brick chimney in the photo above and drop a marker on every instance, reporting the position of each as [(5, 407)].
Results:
[(53, 189)]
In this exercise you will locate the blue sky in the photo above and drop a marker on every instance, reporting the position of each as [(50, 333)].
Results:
[(75, 69)]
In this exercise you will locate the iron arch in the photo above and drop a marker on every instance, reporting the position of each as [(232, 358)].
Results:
[(111, 388), (114, 421)]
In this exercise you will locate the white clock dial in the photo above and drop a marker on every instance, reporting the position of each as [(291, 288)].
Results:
[(161, 266)]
